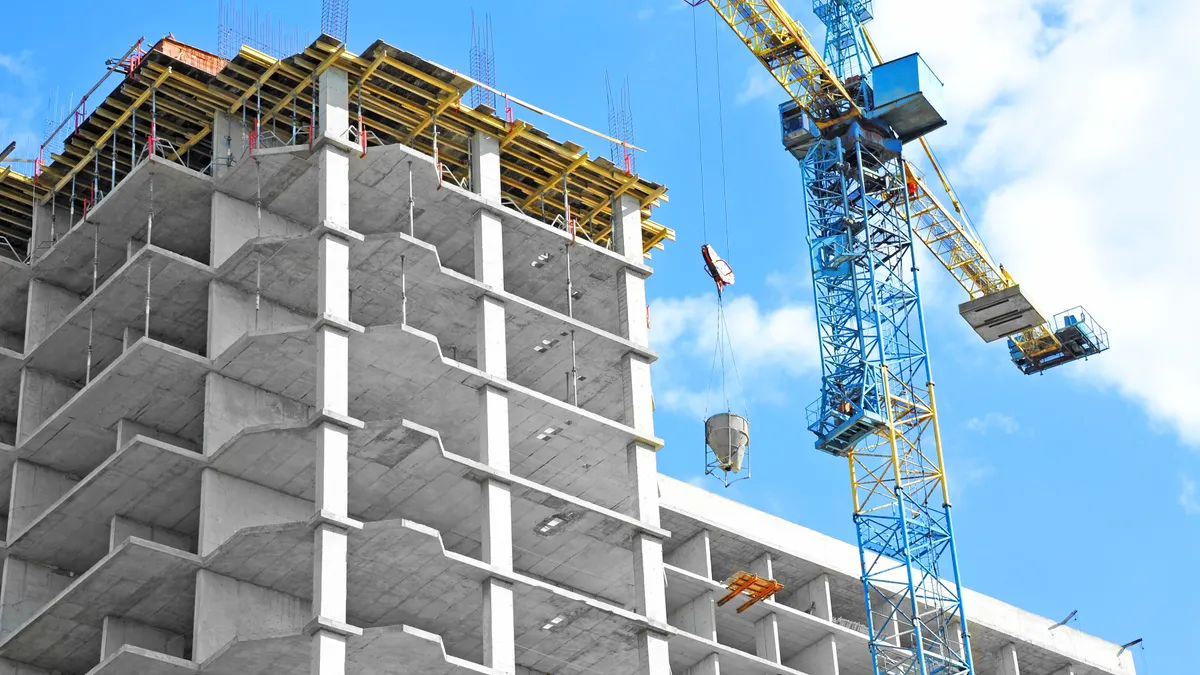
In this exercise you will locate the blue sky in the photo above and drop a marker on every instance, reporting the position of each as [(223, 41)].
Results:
[(1073, 490)]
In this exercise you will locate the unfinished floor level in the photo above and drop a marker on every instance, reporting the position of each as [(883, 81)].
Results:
[(334, 404)]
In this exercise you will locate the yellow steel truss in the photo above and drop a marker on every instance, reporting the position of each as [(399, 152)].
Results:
[(785, 49)]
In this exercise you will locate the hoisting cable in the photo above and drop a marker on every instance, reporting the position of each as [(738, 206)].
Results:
[(721, 132), (726, 434)]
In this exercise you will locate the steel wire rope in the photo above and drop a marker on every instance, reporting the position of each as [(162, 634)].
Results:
[(699, 126), (721, 132)]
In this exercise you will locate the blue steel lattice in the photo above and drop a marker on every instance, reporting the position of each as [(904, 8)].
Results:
[(876, 406)]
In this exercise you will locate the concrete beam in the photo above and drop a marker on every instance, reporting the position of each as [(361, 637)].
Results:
[(693, 555), (117, 632), (709, 665)]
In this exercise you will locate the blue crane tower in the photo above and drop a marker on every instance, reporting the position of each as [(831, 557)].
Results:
[(847, 121), (877, 406)]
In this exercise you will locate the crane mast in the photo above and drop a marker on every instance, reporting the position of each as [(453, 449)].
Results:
[(876, 406)]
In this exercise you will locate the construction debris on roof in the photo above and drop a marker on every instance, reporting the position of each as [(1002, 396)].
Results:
[(401, 96)]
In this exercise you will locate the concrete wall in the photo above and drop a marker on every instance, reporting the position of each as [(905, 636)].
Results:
[(235, 222), (117, 633), (229, 504), (122, 528), (228, 610), (231, 406), (34, 489), (232, 314), (42, 395), (26, 588)]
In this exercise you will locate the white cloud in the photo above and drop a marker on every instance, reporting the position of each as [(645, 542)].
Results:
[(1188, 498), (767, 344), (756, 85), (993, 422), (645, 13), (1067, 117)]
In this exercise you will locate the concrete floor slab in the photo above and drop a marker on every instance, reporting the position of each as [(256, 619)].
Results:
[(399, 370), (182, 213), (178, 314), (379, 204), (400, 469), (399, 572), (140, 580), (442, 301), (797, 630), (147, 480), (386, 650), (152, 383)]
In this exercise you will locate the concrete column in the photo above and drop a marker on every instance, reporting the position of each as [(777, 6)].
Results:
[(328, 646), (46, 228), (766, 629), (1007, 660), (813, 598), (693, 555), (649, 589), (499, 639), (698, 617)]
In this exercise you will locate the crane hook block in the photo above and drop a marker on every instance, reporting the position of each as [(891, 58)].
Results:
[(718, 269)]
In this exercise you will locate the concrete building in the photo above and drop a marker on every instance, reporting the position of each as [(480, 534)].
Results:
[(324, 401)]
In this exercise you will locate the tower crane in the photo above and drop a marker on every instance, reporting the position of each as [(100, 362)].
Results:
[(847, 119)]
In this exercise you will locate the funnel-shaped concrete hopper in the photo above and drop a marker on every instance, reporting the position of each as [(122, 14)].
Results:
[(728, 435)]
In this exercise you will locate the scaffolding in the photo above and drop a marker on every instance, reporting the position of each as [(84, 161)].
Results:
[(403, 99)]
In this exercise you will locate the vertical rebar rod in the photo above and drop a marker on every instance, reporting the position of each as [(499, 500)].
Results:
[(91, 323), (574, 373), (411, 204), (403, 293), (146, 327)]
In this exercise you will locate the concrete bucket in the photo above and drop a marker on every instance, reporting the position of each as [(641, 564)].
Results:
[(728, 435)]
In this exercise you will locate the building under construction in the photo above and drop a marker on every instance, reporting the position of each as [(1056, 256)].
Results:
[(307, 366)]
